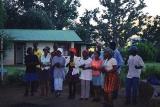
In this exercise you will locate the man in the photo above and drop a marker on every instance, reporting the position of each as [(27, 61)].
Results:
[(135, 65), (38, 53), (117, 55)]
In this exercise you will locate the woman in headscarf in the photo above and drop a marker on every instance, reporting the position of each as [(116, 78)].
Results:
[(58, 63), (73, 73), (86, 75), (45, 72), (111, 82)]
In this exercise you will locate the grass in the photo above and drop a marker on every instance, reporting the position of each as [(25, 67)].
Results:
[(11, 70)]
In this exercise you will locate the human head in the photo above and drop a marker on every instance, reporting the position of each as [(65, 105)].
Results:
[(96, 54), (45, 50), (112, 45), (85, 53), (35, 45), (72, 52), (99, 47), (108, 53), (59, 53), (48, 49), (29, 51), (55, 47), (133, 50)]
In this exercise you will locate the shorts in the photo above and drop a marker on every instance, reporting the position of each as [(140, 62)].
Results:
[(96, 80)]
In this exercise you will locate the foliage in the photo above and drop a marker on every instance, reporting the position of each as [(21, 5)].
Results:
[(35, 19), (84, 28), (151, 70), (152, 31), (2, 14), (14, 75), (60, 12), (6, 41), (147, 51), (120, 19)]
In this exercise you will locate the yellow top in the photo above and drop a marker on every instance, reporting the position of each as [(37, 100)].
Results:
[(38, 53)]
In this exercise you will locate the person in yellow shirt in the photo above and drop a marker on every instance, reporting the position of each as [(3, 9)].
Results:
[(37, 51)]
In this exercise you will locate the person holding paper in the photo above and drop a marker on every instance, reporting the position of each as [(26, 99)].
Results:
[(73, 73)]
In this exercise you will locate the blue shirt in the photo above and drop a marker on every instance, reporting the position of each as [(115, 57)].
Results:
[(118, 57)]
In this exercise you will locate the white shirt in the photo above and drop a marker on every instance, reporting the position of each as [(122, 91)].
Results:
[(108, 64), (77, 64), (45, 61), (86, 74), (132, 62)]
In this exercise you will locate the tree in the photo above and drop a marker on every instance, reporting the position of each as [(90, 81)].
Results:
[(2, 15), (35, 19), (152, 30), (61, 12), (85, 29), (120, 20)]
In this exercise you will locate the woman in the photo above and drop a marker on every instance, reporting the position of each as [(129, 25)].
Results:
[(111, 83), (58, 63), (31, 61), (45, 74), (86, 75), (73, 73), (96, 75)]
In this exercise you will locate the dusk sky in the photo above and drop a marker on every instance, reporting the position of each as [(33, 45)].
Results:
[(153, 6)]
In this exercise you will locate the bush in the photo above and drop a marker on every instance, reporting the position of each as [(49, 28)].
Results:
[(14, 75), (150, 71), (147, 51)]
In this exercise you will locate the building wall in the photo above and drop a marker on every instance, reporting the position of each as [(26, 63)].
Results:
[(9, 58), (42, 45), (10, 55)]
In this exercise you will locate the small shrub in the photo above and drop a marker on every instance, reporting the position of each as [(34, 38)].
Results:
[(151, 70)]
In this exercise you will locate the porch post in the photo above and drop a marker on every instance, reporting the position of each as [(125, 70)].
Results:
[(72, 44), (2, 73)]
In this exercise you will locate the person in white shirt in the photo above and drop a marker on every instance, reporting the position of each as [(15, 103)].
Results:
[(72, 77), (86, 75), (44, 73), (135, 64), (111, 80)]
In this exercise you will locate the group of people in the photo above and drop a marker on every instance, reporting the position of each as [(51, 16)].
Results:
[(100, 71)]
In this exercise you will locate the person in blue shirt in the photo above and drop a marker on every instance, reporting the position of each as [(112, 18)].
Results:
[(117, 55)]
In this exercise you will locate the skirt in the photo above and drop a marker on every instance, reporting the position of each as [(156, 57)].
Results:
[(111, 83), (44, 75), (96, 80), (30, 77)]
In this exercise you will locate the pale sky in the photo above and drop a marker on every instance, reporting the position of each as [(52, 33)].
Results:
[(153, 6)]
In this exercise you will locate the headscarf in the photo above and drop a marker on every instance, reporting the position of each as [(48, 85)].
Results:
[(73, 50), (109, 50)]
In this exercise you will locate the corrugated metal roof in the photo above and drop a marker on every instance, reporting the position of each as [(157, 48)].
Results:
[(42, 35)]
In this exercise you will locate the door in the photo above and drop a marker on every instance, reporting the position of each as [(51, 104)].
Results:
[(19, 53)]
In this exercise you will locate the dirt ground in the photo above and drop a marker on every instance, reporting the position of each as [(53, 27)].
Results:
[(12, 96)]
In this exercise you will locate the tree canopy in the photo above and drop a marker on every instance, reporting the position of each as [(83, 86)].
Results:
[(2, 14), (60, 13), (120, 20)]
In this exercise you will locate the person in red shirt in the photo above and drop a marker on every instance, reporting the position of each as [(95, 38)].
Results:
[(96, 75)]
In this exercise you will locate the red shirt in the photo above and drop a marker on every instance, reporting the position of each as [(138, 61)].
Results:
[(96, 64)]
